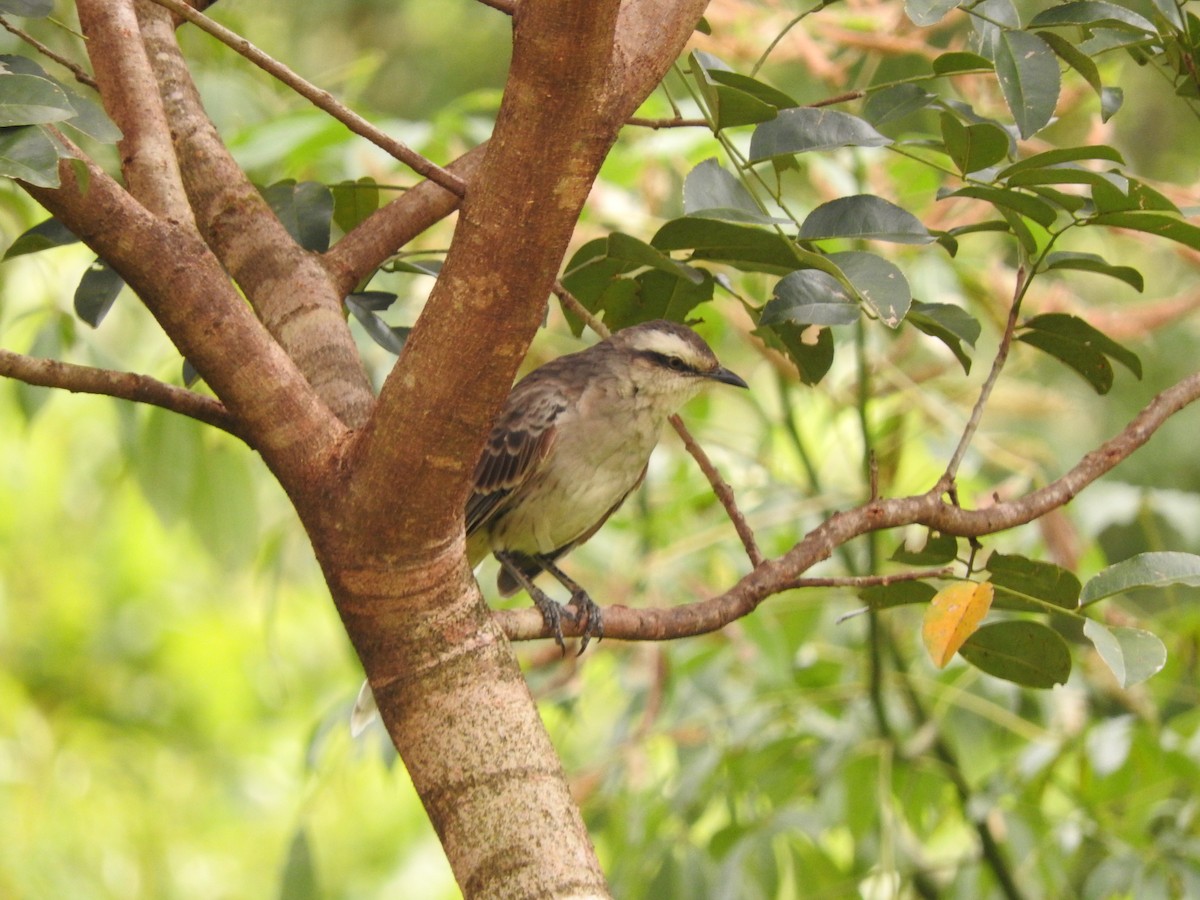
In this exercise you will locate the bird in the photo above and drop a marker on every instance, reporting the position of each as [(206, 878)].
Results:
[(571, 443)]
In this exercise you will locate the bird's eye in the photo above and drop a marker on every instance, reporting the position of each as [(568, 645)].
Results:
[(676, 364)]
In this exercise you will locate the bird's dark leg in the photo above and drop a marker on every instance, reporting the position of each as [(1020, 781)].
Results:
[(586, 610), (551, 611)]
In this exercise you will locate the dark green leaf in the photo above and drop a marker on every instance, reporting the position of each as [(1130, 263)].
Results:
[(1064, 155), (1065, 174), (992, 19), (710, 191), (803, 129), (1124, 194), (864, 216), (87, 115), (1146, 570), (810, 297), (43, 236), (353, 201), (26, 153), (954, 63), (880, 284), (1092, 13), (950, 324), (1033, 578), (728, 106), (1073, 57), (939, 549), (744, 246), (376, 301), (390, 338), (896, 102), (1031, 207), (1157, 223), (1025, 653), (1090, 262), (97, 290), (1021, 230), (927, 12), (636, 254), (188, 373), (30, 100), (1029, 79), (1133, 655), (653, 294), (809, 347), (752, 86), (430, 267), (973, 147), (305, 210), (1080, 346), (899, 593)]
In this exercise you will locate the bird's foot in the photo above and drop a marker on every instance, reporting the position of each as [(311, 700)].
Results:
[(588, 614), (552, 614)]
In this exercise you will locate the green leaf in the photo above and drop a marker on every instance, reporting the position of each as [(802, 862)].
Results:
[(810, 297), (1133, 655), (1156, 223), (708, 190), (1060, 156), (1029, 79), (1090, 262), (973, 147), (1111, 99), (864, 216), (1123, 194), (389, 337), (30, 100), (299, 878), (636, 253), (728, 106), (353, 202), (43, 236), (1080, 346), (955, 62), (880, 284), (97, 290), (927, 12), (655, 294), (1023, 652), (1146, 570), (27, 154), (1013, 575), (87, 115), (1074, 57), (759, 90), (938, 550), (899, 593), (896, 102), (804, 129), (30, 9), (950, 324), (306, 211), (746, 247), (1031, 207), (1090, 14), (809, 347)]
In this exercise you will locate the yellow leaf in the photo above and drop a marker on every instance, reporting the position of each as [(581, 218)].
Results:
[(952, 617)]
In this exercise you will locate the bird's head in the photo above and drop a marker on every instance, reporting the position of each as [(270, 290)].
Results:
[(671, 361)]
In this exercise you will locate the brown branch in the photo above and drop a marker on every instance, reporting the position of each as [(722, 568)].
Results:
[(674, 122), (929, 509), (319, 98), (70, 65), (130, 93), (51, 373), (372, 241), (863, 581)]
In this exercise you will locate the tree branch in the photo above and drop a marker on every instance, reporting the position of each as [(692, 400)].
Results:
[(929, 509), (51, 373), (321, 99), (70, 65)]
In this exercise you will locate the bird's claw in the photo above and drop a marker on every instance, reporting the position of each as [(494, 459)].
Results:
[(552, 614), (587, 613)]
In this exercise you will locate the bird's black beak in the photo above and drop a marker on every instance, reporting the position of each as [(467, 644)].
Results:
[(723, 375)]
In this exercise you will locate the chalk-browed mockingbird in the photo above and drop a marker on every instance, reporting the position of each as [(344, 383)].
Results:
[(571, 443)]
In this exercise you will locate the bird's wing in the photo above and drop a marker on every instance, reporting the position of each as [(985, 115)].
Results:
[(521, 439)]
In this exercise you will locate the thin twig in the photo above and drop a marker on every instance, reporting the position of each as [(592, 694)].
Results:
[(862, 581), (986, 391), (322, 99), (673, 122), (76, 70), (77, 379)]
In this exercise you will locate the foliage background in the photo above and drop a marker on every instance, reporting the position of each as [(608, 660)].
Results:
[(175, 684)]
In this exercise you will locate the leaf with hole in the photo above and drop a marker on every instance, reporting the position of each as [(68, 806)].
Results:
[(809, 347), (879, 283), (953, 616), (810, 297), (1023, 652)]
